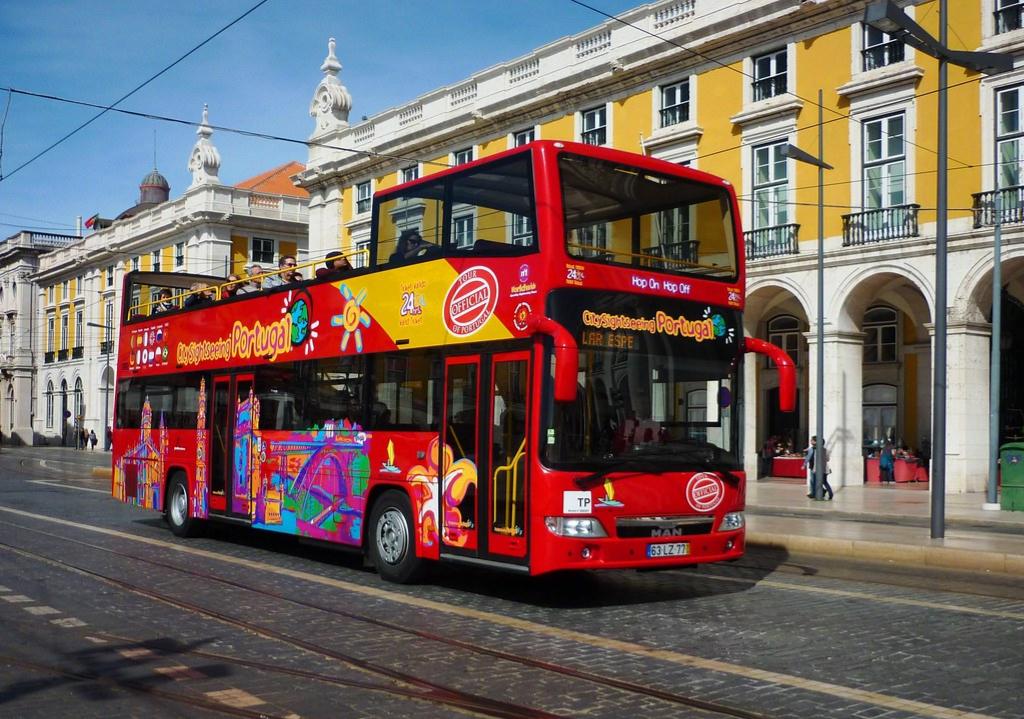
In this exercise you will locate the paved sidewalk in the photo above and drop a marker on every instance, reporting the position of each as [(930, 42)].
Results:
[(885, 523), (868, 522)]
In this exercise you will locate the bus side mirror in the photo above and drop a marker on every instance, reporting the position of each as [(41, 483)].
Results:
[(787, 370), (567, 356)]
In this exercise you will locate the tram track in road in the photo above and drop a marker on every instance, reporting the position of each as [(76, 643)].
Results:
[(629, 650), (425, 689)]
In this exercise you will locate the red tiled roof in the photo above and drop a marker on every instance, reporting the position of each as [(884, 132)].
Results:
[(276, 181)]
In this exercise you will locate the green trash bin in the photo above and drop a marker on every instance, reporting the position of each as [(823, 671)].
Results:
[(1011, 468)]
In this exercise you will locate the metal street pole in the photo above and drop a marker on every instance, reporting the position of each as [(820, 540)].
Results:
[(108, 330), (995, 380), (938, 478), (796, 153), (821, 454)]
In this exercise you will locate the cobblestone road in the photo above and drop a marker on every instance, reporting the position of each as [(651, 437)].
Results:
[(105, 613)]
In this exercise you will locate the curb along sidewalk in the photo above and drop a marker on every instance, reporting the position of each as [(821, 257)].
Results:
[(885, 524)]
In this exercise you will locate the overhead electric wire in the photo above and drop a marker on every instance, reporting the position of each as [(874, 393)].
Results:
[(113, 105)]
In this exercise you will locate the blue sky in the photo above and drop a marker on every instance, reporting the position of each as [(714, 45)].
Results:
[(259, 75)]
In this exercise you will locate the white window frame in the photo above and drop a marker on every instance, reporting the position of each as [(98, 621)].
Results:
[(408, 174), (680, 87), (363, 194), (893, 166), (772, 57), (463, 156), (878, 326), (864, 109), (49, 403), (999, 6), (464, 231), (65, 323), (110, 275), (51, 333), (155, 260), (265, 258), (774, 189), (517, 135), (585, 124), (79, 328), (1014, 138), (179, 254)]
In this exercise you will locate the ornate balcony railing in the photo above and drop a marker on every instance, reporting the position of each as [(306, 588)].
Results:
[(771, 86), (671, 255), (888, 53), (887, 223), (77, 352), (771, 241), (62, 355), (48, 357), (106, 347), (1011, 207)]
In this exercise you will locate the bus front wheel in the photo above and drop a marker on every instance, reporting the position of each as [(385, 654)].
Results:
[(178, 517), (392, 546)]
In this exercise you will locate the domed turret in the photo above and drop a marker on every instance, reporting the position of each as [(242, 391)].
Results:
[(154, 189)]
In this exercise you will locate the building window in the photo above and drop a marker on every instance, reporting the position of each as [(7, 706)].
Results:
[(408, 174), (675, 103), (784, 332), (79, 284), (880, 340), (155, 259), (11, 326), (884, 162), (364, 197), (523, 137), (1009, 15), (361, 259), (49, 333), (79, 398), (79, 328), (461, 157), (880, 49), (1010, 136), (769, 75), (108, 320), (65, 289), (594, 126), (110, 275), (771, 186), (262, 251), (49, 404), (522, 231), (64, 332), (593, 236), (179, 254), (462, 232)]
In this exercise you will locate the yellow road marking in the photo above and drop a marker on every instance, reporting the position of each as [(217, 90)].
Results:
[(665, 655)]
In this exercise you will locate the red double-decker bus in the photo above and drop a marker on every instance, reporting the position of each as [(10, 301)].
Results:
[(537, 367)]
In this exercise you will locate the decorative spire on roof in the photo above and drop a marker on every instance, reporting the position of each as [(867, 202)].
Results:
[(204, 162), (331, 101)]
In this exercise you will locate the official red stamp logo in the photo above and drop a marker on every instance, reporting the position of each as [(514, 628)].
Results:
[(705, 491), (470, 301)]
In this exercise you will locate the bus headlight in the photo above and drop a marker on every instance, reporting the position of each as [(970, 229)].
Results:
[(575, 526), (731, 522)]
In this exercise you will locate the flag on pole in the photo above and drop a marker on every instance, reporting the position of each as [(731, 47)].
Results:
[(91, 222)]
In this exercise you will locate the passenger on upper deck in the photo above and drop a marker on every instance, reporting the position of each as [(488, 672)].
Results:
[(233, 287), (411, 245), (164, 302), (255, 281), (286, 263), (335, 265), (199, 295)]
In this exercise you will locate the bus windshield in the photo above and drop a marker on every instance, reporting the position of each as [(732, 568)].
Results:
[(627, 216), (658, 383)]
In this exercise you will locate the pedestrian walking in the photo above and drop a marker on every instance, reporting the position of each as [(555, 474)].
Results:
[(92, 440), (809, 463)]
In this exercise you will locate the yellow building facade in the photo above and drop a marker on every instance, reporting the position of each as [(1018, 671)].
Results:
[(725, 89)]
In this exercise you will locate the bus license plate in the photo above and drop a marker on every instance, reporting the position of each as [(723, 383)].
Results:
[(668, 549)]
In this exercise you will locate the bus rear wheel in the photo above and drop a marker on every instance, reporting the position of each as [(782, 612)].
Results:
[(178, 517), (392, 546)]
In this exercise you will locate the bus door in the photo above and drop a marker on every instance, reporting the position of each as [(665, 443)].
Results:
[(483, 483), (508, 410), (231, 463)]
